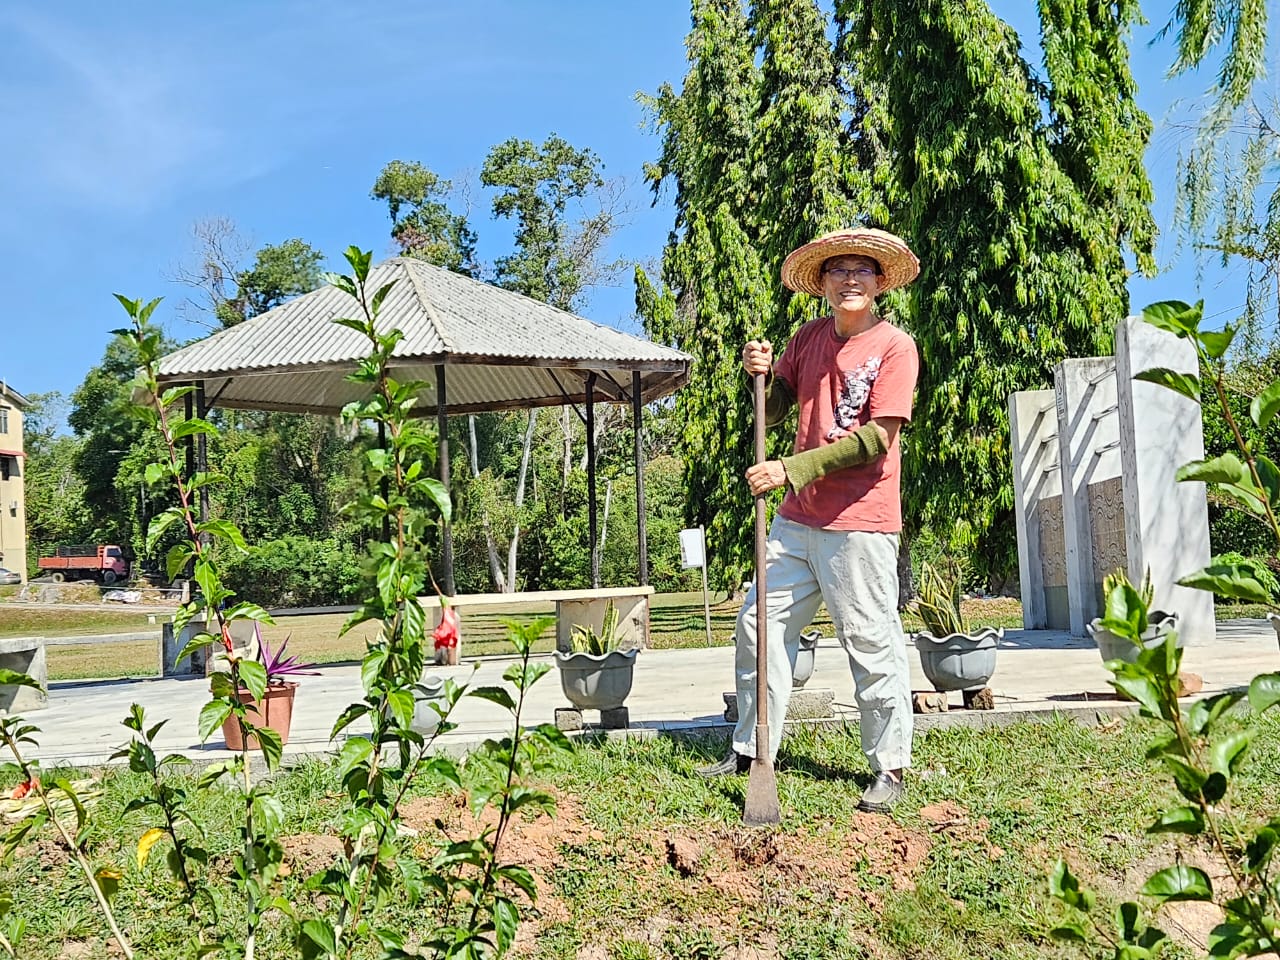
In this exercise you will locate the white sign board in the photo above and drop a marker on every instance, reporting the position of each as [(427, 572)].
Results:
[(691, 548)]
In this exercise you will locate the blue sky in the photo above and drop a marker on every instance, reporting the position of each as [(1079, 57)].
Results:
[(127, 123)]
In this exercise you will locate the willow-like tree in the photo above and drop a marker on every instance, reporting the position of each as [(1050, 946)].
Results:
[(1019, 265)]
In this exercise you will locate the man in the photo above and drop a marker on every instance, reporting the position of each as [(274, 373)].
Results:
[(835, 538)]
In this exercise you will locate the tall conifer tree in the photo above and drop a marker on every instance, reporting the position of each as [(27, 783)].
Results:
[(760, 162), (1018, 267)]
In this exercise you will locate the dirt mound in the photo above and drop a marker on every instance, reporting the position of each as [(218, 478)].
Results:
[(731, 866)]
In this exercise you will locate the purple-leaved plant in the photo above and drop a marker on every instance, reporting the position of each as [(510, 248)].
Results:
[(279, 666)]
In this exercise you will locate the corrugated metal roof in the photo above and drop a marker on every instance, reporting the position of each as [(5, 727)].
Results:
[(502, 350)]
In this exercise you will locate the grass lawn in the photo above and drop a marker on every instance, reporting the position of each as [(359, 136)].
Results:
[(645, 861)]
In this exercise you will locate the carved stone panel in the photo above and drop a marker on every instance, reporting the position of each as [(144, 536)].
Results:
[(1106, 514), (1054, 553)]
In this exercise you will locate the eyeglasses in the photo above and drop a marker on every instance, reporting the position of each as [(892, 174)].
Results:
[(851, 273)]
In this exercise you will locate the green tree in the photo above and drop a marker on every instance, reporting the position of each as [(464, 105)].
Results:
[(107, 433), (554, 258), (422, 225), (1019, 266), (56, 511), (279, 272), (714, 293)]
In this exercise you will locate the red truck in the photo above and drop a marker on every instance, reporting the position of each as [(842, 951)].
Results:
[(103, 562)]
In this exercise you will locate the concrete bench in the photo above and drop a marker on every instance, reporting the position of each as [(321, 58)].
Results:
[(24, 655), (574, 608)]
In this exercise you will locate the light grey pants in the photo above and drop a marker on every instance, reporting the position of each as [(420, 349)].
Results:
[(856, 574)]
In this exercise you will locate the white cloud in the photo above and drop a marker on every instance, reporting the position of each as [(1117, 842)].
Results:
[(102, 119)]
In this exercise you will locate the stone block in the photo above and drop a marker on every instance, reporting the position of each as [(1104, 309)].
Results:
[(929, 702), (568, 719), (24, 655), (1088, 455), (982, 699), (615, 718), (1037, 489), (1166, 522), (816, 704)]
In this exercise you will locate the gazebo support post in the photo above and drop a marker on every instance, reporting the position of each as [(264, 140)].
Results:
[(591, 480), (642, 547), (442, 445), (202, 459), (385, 484)]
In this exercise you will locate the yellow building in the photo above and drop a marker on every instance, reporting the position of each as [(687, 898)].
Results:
[(13, 504)]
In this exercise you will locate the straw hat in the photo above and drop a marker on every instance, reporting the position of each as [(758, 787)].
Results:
[(802, 270)]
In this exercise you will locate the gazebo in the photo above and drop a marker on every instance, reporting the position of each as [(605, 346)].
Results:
[(478, 347)]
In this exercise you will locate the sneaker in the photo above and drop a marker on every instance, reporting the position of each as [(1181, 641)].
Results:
[(732, 763), (881, 796)]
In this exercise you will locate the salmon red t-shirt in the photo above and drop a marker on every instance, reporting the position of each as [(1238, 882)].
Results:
[(840, 384)]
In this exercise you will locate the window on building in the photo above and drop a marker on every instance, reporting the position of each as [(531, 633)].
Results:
[(4, 419), (5, 467)]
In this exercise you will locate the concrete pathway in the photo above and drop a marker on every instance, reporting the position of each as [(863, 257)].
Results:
[(1038, 673)]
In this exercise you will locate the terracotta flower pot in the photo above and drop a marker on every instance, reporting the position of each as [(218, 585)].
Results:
[(274, 711)]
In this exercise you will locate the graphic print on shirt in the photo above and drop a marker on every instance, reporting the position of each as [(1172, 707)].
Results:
[(853, 397)]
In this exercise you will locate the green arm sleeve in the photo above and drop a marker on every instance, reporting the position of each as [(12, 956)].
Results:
[(861, 446)]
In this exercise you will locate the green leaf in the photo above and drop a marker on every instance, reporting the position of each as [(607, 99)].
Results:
[(1180, 882), (226, 530), (498, 695), (1187, 384), (155, 472), (1064, 886), (1258, 850), (1227, 468), (1227, 754), (1179, 820), (321, 934), (194, 427), (271, 745), (1127, 920), (1238, 580), (253, 677), (211, 716), (12, 678), (401, 703), (1264, 692), (355, 751), (349, 715), (1265, 405), (1175, 316), (506, 918), (1216, 343)]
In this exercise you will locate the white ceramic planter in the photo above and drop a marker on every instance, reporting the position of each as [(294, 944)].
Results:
[(425, 717), (593, 682), (1111, 647), (959, 661)]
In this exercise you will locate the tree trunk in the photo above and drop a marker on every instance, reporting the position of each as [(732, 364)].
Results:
[(495, 565), (525, 456), (604, 520)]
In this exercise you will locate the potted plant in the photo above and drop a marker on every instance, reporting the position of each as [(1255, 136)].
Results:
[(275, 709), (1153, 625), (596, 675), (952, 656), (806, 657)]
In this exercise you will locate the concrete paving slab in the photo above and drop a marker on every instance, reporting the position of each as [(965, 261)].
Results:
[(1039, 674)]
